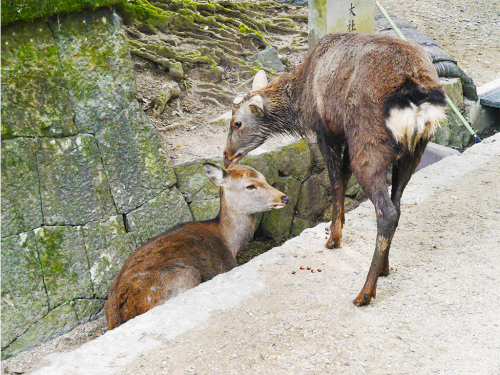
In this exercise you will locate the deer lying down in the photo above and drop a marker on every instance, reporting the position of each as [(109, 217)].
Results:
[(371, 101), (188, 254)]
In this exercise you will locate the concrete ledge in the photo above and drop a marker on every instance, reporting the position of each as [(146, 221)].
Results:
[(237, 296)]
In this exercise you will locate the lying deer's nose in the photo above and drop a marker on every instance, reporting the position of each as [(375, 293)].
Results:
[(285, 199)]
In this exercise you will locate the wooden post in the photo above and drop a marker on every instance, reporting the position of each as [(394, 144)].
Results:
[(333, 16)]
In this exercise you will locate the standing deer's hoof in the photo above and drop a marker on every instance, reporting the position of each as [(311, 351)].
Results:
[(363, 299), (333, 243)]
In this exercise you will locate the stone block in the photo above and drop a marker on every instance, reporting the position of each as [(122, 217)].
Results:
[(298, 225), (108, 247), (65, 264), (276, 224), (294, 159), (193, 182), (73, 184), (136, 168), (30, 60), (157, 215), (58, 321), (21, 204), (88, 309), (265, 163), (205, 210), (312, 200), (97, 71), (24, 300), (268, 58), (453, 132)]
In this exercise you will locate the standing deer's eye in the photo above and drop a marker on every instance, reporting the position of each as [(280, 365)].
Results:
[(251, 187), (237, 124)]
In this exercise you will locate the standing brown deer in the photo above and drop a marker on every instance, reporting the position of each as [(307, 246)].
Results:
[(188, 254), (371, 101)]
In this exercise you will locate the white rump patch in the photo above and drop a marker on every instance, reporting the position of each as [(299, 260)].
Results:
[(411, 124)]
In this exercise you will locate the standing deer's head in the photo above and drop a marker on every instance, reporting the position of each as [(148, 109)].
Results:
[(247, 129)]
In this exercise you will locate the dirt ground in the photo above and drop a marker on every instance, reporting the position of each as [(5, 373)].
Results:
[(467, 29)]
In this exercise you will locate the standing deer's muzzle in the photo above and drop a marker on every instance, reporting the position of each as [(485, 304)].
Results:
[(229, 158)]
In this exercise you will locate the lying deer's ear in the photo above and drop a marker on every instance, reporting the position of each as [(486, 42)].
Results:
[(215, 174), (256, 105), (260, 80)]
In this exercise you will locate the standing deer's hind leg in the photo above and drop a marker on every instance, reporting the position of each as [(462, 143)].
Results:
[(387, 220)]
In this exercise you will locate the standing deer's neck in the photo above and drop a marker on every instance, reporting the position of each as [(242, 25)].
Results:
[(283, 112), (236, 229)]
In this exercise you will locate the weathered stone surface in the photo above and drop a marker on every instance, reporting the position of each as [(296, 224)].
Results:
[(30, 60), (157, 215), (205, 210), (276, 224), (192, 181), (87, 309), (73, 183), (64, 262), (58, 321), (136, 168), (24, 299), (294, 159), (453, 132), (269, 59), (108, 247), (298, 225), (29, 9), (98, 72), (265, 163), (21, 205), (312, 200)]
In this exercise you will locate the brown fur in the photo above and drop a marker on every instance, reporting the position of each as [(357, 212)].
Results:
[(344, 93), (188, 254)]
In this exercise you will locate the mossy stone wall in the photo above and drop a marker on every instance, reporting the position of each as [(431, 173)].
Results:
[(84, 180)]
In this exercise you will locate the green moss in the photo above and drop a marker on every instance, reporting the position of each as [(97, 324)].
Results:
[(17, 10)]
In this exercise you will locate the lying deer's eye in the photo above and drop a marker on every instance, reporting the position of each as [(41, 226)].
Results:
[(237, 124), (251, 187)]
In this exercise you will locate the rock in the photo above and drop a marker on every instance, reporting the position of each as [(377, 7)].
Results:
[(294, 159), (64, 263), (58, 321), (45, 109), (205, 210), (24, 300), (223, 119), (276, 224), (136, 168), (269, 59), (170, 90), (108, 247), (87, 309), (21, 204), (73, 184), (98, 72), (265, 163), (313, 199), (192, 181), (298, 225), (157, 215)]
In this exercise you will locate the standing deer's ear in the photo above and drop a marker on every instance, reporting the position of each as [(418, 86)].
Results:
[(256, 105), (260, 80), (215, 174)]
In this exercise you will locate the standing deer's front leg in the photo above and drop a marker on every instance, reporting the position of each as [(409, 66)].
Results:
[(332, 153)]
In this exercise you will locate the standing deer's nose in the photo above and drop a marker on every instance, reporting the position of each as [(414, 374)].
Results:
[(285, 199)]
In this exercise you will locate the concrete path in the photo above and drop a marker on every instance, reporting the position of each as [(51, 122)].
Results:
[(438, 311)]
